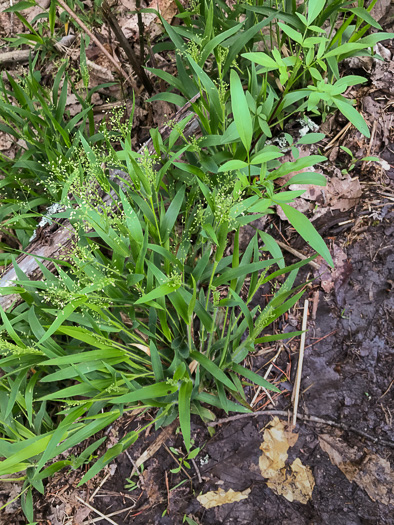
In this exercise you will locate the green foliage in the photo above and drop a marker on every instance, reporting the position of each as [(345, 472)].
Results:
[(49, 142), (292, 68), (148, 309)]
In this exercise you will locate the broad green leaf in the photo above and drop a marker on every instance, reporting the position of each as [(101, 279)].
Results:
[(156, 362), (307, 231), (20, 6), (210, 46), (271, 245), (210, 232), (172, 98), (265, 156), (374, 38), (57, 436), (204, 397), (30, 449), (232, 165), (364, 15), (346, 108), (184, 397), (146, 392), (242, 270), (277, 337), (241, 113), (316, 179), (291, 33), (262, 59), (343, 49), (132, 221), (167, 223), (314, 9), (252, 376), (63, 315), (311, 138)]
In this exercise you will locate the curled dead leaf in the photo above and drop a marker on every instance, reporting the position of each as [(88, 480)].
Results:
[(371, 472), (296, 485), (221, 497)]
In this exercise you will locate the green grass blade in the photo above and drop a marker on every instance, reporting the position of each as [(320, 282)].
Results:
[(184, 397), (307, 231)]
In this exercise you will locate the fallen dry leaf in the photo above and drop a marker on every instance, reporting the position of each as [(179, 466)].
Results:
[(221, 497), (335, 278), (152, 24), (277, 442), (5, 141), (371, 472), (296, 485)]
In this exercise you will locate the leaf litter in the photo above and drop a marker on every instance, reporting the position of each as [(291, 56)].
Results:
[(369, 471), (221, 497), (296, 484)]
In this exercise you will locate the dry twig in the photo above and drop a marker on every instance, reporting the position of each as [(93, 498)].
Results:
[(97, 42), (296, 391), (310, 419)]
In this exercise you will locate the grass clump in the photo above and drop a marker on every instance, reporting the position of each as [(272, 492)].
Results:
[(149, 309)]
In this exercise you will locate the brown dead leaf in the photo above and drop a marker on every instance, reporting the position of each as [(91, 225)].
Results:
[(335, 278), (382, 77), (371, 472), (5, 141), (296, 485), (342, 192), (277, 442), (221, 497), (152, 25), (167, 8)]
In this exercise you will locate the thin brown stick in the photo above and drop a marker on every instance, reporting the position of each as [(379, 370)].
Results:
[(95, 520), (310, 419), (296, 391), (297, 254), (338, 136), (374, 126), (135, 64), (97, 42), (197, 471), (177, 461), (141, 30), (103, 516), (321, 339), (265, 377)]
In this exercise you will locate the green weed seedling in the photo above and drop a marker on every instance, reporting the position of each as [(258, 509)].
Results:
[(353, 160), (183, 460)]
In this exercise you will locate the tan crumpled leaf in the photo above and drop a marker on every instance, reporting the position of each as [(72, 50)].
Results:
[(152, 25), (296, 485), (371, 472), (277, 442), (221, 497)]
